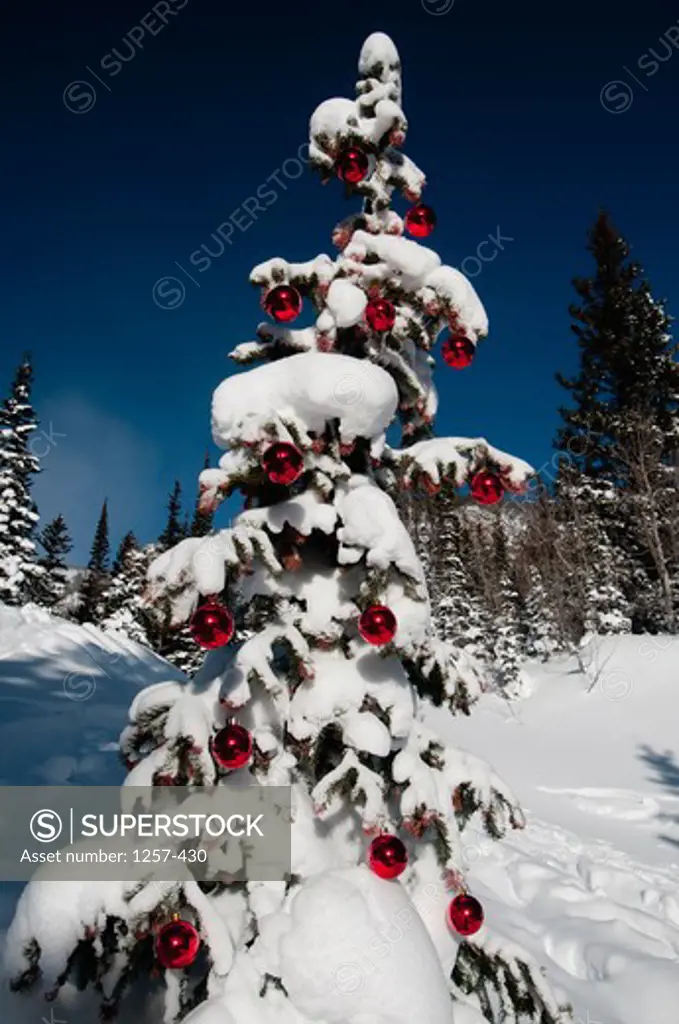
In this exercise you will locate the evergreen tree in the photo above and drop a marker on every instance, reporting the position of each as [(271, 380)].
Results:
[(97, 577), (541, 626), (622, 431), (504, 636), (19, 570), (124, 610), (175, 528), (170, 642), (50, 587), (201, 524), (627, 361), (459, 615), (596, 567)]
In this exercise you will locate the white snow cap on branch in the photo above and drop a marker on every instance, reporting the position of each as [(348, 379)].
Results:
[(278, 271), (345, 302), (198, 565), (309, 389), (304, 513), (454, 457), (379, 52), (406, 263), (455, 290), (372, 525)]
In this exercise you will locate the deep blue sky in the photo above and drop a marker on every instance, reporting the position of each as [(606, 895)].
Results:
[(505, 118)]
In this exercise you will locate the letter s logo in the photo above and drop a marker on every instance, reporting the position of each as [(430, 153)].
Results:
[(46, 826)]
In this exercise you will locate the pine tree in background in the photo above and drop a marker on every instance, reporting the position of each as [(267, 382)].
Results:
[(19, 570), (50, 588), (124, 610), (201, 524), (541, 625), (175, 527), (169, 639), (324, 689), (597, 571), (96, 578), (622, 431), (459, 617), (504, 636)]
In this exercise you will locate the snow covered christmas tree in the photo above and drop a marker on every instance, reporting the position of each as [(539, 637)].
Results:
[(314, 606)]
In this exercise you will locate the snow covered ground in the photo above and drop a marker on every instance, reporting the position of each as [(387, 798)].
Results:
[(589, 887)]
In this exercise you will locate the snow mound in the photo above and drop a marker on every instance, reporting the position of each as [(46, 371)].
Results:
[(357, 951)]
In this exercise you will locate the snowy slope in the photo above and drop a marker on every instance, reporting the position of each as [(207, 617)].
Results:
[(64, 692), (590, 886)]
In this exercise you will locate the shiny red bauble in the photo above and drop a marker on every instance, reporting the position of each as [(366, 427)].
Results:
[(387, 856), (420, 221), (380, 314), (177, 944), (283, 463), (458, 351), (211, 625), (377, 625), (283, 303), (353, 165), (486, 488), (232, 746), (465, 914)]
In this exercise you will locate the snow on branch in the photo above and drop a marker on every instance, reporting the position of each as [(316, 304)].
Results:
[(445, 674), (274, 342), (496, 970), (453, 459), (375, 121), (309, 389), (371, 526), (312, 273), (198, 566), (353, 780), (441, 789), (258, 655)]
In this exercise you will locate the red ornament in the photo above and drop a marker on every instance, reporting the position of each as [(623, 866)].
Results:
[(387, 856), (428, 485), (211, 625), (377, 625), (352, 165), (380, 314), (282, 463), (420, 220), (164, 780), (292, 560), (486, 488), (283, 303), (232, 746), (465, 914), (458, 351), (177, 944)]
